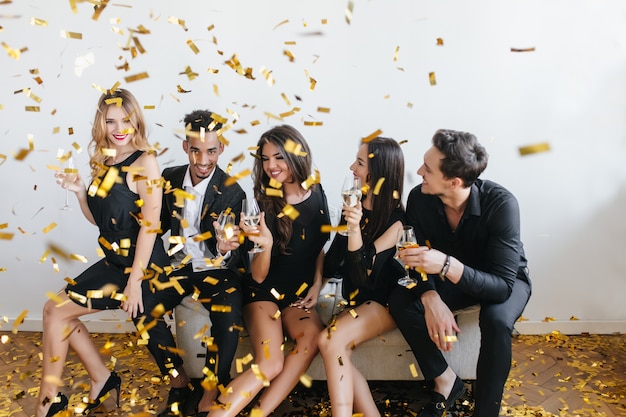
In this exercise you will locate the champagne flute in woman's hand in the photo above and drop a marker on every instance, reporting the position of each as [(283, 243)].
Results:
[(252, 217), (406, 240), (350, 195), (69, 175)]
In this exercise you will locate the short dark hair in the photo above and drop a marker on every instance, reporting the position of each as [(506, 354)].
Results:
[(464, 157), (201, 118)]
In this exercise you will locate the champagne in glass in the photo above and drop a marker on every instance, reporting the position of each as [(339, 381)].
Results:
[(70, 173), (350, 195), (252, 217), (406, 240), (225, 225)]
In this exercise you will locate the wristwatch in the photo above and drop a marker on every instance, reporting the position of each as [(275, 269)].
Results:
[(444, 269)]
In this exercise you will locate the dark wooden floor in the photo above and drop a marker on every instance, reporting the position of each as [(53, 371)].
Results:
[(553, 375)]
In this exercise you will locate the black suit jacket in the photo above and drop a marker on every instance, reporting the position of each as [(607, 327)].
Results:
[(218, 197)]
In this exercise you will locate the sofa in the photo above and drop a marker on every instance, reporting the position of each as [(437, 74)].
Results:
[(387, 357)]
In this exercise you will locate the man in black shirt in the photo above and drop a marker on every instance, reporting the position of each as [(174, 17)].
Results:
[(471, 253)]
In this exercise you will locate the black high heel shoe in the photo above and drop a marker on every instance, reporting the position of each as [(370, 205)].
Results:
[(59, 406), (114, 382)]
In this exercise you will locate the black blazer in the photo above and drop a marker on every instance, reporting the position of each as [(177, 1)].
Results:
[(218, 197)]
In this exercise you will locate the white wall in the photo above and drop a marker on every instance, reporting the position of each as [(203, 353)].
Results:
[(568, 92)]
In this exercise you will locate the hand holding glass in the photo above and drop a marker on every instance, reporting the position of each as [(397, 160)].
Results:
[(406, 240), (67, 177), (252, 217), (350, 195)]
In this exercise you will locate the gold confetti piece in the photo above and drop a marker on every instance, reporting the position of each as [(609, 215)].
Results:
[(6, 236), (312, 81), (395, 55), (4, 339), (340, 360), (79, 258), (289, 55), (531, 49), (32, 108), (549, 319), (233, 179), (306, 380), (71, 35), (450, 338), (323, 109), (353, 313), (309, 123), (432, 79), (276, 294), (328, 228), (136, 77), (272, 192), (294, 148), (38, 22), (303, 287), (193, 46), (574, 318), (348, 12), (221, 308), (176, 21), (49, 227), (439, 42), (19, 320), (413, 370), (371, 136), (378, 186), (536, 148), (118, 103), (149, 107), (281, 23)]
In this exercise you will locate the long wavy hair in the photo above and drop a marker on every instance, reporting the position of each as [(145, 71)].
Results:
[(99, 138), (300, 168), (385, 160)]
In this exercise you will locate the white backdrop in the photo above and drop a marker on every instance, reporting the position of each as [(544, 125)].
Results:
[(372, 73)]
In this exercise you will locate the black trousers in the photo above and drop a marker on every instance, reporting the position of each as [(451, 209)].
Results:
[(224, 325), (496, 323)]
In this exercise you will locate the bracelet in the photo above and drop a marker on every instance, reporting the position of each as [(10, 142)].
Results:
[(444, 269)]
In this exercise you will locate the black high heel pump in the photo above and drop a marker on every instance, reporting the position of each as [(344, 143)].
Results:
[(114, 382), (57, 407)]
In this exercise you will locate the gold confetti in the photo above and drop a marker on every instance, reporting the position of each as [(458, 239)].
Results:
[(439, 41), (450, 338), (273, 192), (71, 35), (328, 228), (432, 79), (136, 77), (117, 101), (371, 136), (294, 148), (303, 287), (193, 46), (306, 380), (309, 123), (340, 360), (281, 23), (536, 148), (531, 49), (38, 22), (353, 313), (49, 227), (19, 320), (395, 55), (176, 21), (323, 109), (378, 186), (233, 179), (348, 12), (276, 294), (413, 370)]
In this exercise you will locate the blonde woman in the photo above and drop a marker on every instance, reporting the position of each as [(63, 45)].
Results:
[(118, 141)]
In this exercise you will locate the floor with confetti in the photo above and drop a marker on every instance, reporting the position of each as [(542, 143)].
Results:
[(552, 375)]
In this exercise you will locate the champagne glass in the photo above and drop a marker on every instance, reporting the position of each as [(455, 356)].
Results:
[(251, 217), (70, 173), (350, 195), (406, 240), (225, 225)]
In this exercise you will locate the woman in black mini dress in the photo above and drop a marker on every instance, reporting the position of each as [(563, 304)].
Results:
[(126, 210), (285, 279)]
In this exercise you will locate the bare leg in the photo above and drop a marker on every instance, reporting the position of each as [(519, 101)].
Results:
[(266, 336), (304, 327), (81, 343), (57, 322), (347, 388)]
